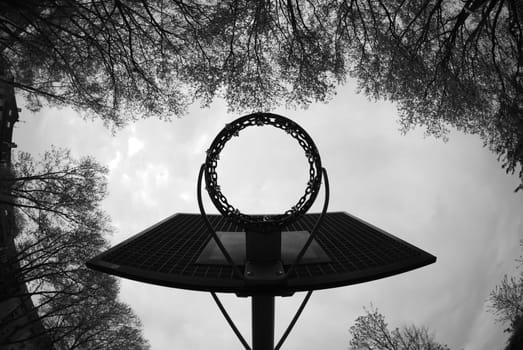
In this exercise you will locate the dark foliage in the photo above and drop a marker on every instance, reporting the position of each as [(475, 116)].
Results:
[(445, 63), (506, 302), (371, 332), (59, 227)]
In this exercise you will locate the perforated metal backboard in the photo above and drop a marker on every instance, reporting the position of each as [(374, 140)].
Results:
[(178, 252)]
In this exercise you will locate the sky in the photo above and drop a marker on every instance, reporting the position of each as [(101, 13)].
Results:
[(451, 199)]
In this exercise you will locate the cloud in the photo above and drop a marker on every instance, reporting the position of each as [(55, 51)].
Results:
[(186, 196), (154, 175), (113, 163), (134, 146), (201, 144)]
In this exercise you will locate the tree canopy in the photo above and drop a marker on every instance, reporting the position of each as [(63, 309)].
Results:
[(127, 59), (57, 184), (506, 302), (445, 63), (371, 332), (60, 226)]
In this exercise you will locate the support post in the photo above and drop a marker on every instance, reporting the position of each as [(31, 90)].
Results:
[(262, 322), (263, 252)]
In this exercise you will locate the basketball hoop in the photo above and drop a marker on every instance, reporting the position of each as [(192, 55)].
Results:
[(261, 256), (262, 222)]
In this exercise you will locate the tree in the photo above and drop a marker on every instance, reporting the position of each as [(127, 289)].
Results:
[(370, 332), (444, 63), (60, 226), (57, 184), (78, 307), (126, 59), (506, 302), (515, 341)]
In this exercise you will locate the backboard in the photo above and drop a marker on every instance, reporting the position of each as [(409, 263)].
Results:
[(179, 252)]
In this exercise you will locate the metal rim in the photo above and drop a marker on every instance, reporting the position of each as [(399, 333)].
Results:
[(259, 221)]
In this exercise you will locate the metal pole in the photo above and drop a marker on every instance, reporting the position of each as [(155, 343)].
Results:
[(263, 252), (262, 322)]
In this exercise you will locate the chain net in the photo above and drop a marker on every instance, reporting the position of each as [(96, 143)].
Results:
[(262, 222)]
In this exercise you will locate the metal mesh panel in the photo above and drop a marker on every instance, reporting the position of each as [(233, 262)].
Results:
[(169, 250), (172, 247), (353, 246)]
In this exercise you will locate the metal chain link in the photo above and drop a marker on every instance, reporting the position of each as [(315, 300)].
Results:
[(256, 221)]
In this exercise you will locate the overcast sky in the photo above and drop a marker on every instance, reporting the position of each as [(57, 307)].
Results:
[(451, 199)]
